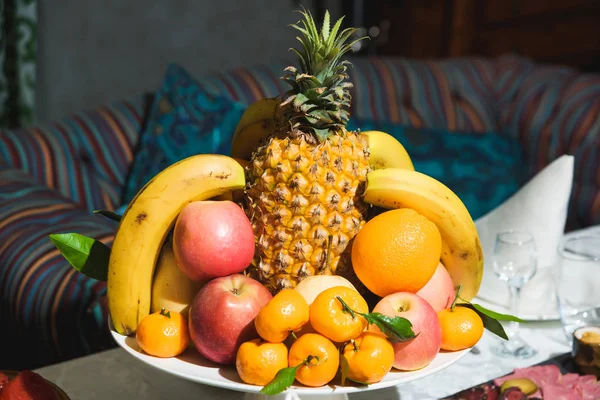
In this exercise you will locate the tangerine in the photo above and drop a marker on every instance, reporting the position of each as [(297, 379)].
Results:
[(396, 251), (461, 328), (257, 362), (370, 357), (330, 318), (286, 312), (163, 334), (319, 356)]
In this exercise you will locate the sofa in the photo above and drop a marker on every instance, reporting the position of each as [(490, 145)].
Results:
[(52, 176)]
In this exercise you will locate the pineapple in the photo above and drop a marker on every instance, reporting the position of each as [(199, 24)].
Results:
[(305, 180)]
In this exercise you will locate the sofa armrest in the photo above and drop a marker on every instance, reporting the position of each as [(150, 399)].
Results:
[(555, 111), (85, 156), (53, 312)]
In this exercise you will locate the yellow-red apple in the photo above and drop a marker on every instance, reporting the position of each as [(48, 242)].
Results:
[(439, 290), (420, 351), (212, 239), (221, 317)]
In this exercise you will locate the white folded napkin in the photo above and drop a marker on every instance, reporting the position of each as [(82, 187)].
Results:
[(539, 207)]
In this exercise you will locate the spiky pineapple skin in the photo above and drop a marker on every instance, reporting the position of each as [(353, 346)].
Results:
[(304, 202)]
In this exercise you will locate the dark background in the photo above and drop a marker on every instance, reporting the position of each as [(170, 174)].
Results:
[(563, 32)]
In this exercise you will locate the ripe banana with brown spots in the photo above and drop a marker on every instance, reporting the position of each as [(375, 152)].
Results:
[(146, 223)]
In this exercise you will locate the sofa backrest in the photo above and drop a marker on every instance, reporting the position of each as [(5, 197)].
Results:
[(84, 156), (454, 94)]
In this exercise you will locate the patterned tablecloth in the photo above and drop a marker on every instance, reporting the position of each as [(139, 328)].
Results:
[(115, 375)]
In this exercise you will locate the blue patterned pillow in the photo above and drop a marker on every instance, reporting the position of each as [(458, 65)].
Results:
[(185, 120), (483, 169)]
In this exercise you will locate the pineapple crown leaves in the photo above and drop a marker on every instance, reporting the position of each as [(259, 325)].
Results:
[(319, 94)]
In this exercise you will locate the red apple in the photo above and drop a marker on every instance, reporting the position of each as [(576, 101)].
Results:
[(419, 352), (439, 290), (221, 316), (212, 239)]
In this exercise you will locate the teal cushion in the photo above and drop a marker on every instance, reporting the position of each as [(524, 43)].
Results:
[(483, 169), (185, 120)]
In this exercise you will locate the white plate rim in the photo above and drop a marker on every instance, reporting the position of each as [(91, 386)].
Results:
[(406, 377)]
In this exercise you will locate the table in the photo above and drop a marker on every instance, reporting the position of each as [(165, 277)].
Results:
[(115, 375)]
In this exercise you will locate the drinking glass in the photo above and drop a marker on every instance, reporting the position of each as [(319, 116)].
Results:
[(578, 282), (515, 262)]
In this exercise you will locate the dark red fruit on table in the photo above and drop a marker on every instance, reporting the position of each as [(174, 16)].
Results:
[(27, 386), (3, 381)]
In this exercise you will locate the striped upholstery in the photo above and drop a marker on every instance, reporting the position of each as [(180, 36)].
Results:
[(555, 111), (52, 176), (450, 94), (49, 307), (85, 157)]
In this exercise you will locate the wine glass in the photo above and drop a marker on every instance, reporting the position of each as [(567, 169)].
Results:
[(515, 262)]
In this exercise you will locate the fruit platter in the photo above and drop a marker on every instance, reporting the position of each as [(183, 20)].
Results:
[(311, 258)]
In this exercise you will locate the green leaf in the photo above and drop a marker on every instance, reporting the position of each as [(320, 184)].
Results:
[(87, 255), (397, 329), (344, 366), (489, 323), (322, 134), (299, 100), (334, 31), (325, 27), (108, 214), (496, 315), (283, 380)]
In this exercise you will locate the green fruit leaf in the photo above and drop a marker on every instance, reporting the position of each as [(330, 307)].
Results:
[(108, 214), (344, 367), (495, 315), (397, 329), (87, 255), (283, 380), (489, 323)]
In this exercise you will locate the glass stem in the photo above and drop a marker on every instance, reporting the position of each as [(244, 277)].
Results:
[(515, 296)]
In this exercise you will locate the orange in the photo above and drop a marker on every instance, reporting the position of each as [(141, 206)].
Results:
[(258, 362), (370, 357), (163, 334), (461, 328), (328, 317), (324, 360), (286, 312), (396, 251)]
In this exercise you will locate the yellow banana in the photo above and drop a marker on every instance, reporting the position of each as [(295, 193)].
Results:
[(146, 222), (461, 250), (387, 152), (171, 288), (261, 116), (259, 110), (249, 138)]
